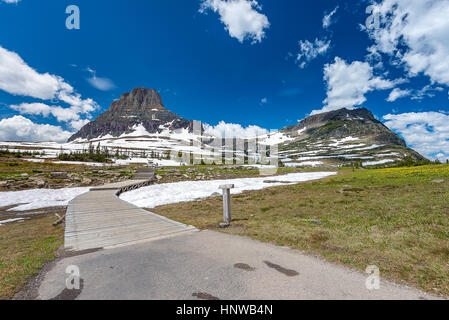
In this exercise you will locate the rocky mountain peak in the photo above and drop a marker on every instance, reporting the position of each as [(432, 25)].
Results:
[(139, 99), (141, 106), (341, 114)]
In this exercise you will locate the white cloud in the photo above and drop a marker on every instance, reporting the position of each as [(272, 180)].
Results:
[(427, 91), (11, 1), (78, 124), (103, 84), (398, 93), (415, 34), (309, 51), (426, 132), (61, 114), (241, 18), (231, 130), (19, 128), (347, 84), (263, 101), (33, 109), (17, 78), (327, 20)]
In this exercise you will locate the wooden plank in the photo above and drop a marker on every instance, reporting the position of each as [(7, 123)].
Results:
[(99, 219)]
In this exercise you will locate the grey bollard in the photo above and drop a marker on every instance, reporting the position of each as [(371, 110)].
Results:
[(227, 203)]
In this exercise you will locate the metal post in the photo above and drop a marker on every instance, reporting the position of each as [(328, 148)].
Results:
[(226, 204)]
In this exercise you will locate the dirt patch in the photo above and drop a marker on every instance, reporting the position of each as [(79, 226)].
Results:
[(204, 296), (287, 272), (232, 229), (244, 266), (68, 254)]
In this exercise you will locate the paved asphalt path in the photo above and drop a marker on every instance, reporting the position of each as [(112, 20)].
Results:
[(206, 265)]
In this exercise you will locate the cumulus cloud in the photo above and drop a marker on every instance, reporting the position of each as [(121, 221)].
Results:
[(19, 128), (11, 1), (263, 101), (310, 50), (61, 114), (426, 132), (18, 78), (398, 93), (78, 124), (427, 91), (327, 20), (415, 34), (347, 84), (231, 130), (241, 18)]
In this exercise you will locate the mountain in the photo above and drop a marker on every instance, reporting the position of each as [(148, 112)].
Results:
[(139, 123), (342, 136), (140, 107)]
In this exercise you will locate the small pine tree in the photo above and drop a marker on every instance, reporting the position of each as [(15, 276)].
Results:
[(91, 148)]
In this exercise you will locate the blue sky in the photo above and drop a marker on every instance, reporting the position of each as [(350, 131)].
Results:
[(264, 63)]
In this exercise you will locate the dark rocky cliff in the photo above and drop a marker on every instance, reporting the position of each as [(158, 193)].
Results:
[(140, 106)]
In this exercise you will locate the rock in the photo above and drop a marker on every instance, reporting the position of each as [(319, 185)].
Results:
[(224, 225), (24, 175), (215, 194), (74, 177), (40, 183), (158, 177), (275, 181), (139, 107), (438, 181), (3, 183), (86, 181), (58, 175)]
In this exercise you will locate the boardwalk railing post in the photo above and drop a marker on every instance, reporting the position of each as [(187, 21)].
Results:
[(226, 204)]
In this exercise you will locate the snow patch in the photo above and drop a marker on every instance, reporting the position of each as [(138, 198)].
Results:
[(163, 194), (39, 198), (304, 164), (2, 222), (373, 163)]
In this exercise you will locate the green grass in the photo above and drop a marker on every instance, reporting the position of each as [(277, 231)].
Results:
[(24, 249), (397, 219)]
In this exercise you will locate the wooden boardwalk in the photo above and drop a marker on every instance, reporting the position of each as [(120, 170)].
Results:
[(99, 219)]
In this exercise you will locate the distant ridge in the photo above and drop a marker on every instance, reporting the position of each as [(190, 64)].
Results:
[(140, 120), (344, 136), (343, 123)]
